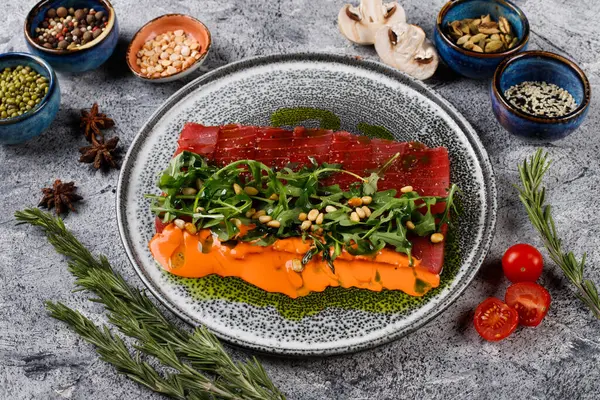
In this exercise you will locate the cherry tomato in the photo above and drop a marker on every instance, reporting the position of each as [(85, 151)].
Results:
[(530, 300), (522, 263), (494, 320)]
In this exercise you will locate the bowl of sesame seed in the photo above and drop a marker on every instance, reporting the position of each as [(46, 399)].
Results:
[(72, 35), (540, 96)]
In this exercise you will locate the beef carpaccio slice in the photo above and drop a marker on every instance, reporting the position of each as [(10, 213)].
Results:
[(427, 170)]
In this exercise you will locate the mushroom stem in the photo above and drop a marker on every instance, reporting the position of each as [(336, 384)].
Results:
[(361, 23)]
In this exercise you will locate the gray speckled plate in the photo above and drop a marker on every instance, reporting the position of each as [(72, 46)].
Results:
[(248, 92)]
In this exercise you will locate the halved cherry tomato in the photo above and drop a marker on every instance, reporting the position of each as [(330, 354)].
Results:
[(530, 300), (494, 320), (522, 263)]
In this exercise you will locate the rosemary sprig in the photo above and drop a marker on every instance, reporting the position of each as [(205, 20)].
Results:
[(112, 350), (136, 316), (533, 197)]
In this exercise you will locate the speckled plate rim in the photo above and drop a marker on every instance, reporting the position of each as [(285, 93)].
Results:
[(376, 67)]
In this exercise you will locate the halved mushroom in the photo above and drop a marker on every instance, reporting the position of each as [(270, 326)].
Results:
[(360, 24), (405, 47)]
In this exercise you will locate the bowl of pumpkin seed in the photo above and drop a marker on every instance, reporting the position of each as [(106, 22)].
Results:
[(474, 36)]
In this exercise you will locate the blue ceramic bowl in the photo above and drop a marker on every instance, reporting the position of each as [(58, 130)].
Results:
[(85, 58), (539, 66), (470, 63), (36, 121)]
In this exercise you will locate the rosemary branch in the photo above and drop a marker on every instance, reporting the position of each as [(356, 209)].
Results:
[(136, 316), (112, 350), (533, 197)]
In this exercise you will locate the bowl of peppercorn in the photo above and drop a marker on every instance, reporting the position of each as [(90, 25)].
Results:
[(540, 96), (72, 35), (29, 97)]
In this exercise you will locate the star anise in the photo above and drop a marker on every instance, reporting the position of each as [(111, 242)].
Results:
[(60, 196), (93, 121), (100, 153)]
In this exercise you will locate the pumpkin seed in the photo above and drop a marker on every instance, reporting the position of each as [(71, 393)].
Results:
[(489, 28), (463, 40), (494, 46), (504, 25), (483, 34)]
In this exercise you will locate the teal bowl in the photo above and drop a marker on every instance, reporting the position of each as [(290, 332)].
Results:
[(85, 58), (470, 63), (34, 122), (541, 66)]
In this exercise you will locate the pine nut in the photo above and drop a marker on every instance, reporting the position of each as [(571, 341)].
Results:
[(355, 202), (406, 189), (179, 223), (305, 225), (302, 216), (251, 191), (188, 191), (359, 211), (297, 265), (250, 212), (199, 183), (259, 214), (320, 219), (437, 238), (236, 222), (367, 211), (274, 224), (366, 200), (410, 225), (199, 209), (237, 188), (354, 217), (264, 219), (190, 228), (330, 209), (274, 197), (313, 214)]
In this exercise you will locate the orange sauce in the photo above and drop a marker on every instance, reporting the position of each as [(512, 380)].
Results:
[(270, 268)]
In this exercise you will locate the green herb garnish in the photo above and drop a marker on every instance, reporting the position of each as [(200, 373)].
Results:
[(223, 198), (202, 368), (533, 197)]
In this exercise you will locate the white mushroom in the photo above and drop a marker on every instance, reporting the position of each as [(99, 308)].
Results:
[(360, 24), (405, 47)]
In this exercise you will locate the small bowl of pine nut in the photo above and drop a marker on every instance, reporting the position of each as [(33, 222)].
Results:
[(168, 48)]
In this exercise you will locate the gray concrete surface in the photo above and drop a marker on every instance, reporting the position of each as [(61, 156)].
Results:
[(41, 359)]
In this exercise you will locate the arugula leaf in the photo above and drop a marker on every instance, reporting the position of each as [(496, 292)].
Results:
[(212, 198)]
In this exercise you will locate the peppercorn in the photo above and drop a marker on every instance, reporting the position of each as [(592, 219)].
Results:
[(70, 26)]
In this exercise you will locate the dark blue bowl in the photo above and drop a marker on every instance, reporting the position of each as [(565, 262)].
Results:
[(87, 57), (539, 66), (33, 123), (470, 63)]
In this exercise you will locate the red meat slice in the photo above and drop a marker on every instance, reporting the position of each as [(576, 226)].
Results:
[(426, 170), (430, 254), (198, 139)]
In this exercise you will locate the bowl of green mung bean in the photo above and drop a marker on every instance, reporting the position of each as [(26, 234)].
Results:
[(29, 97)]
